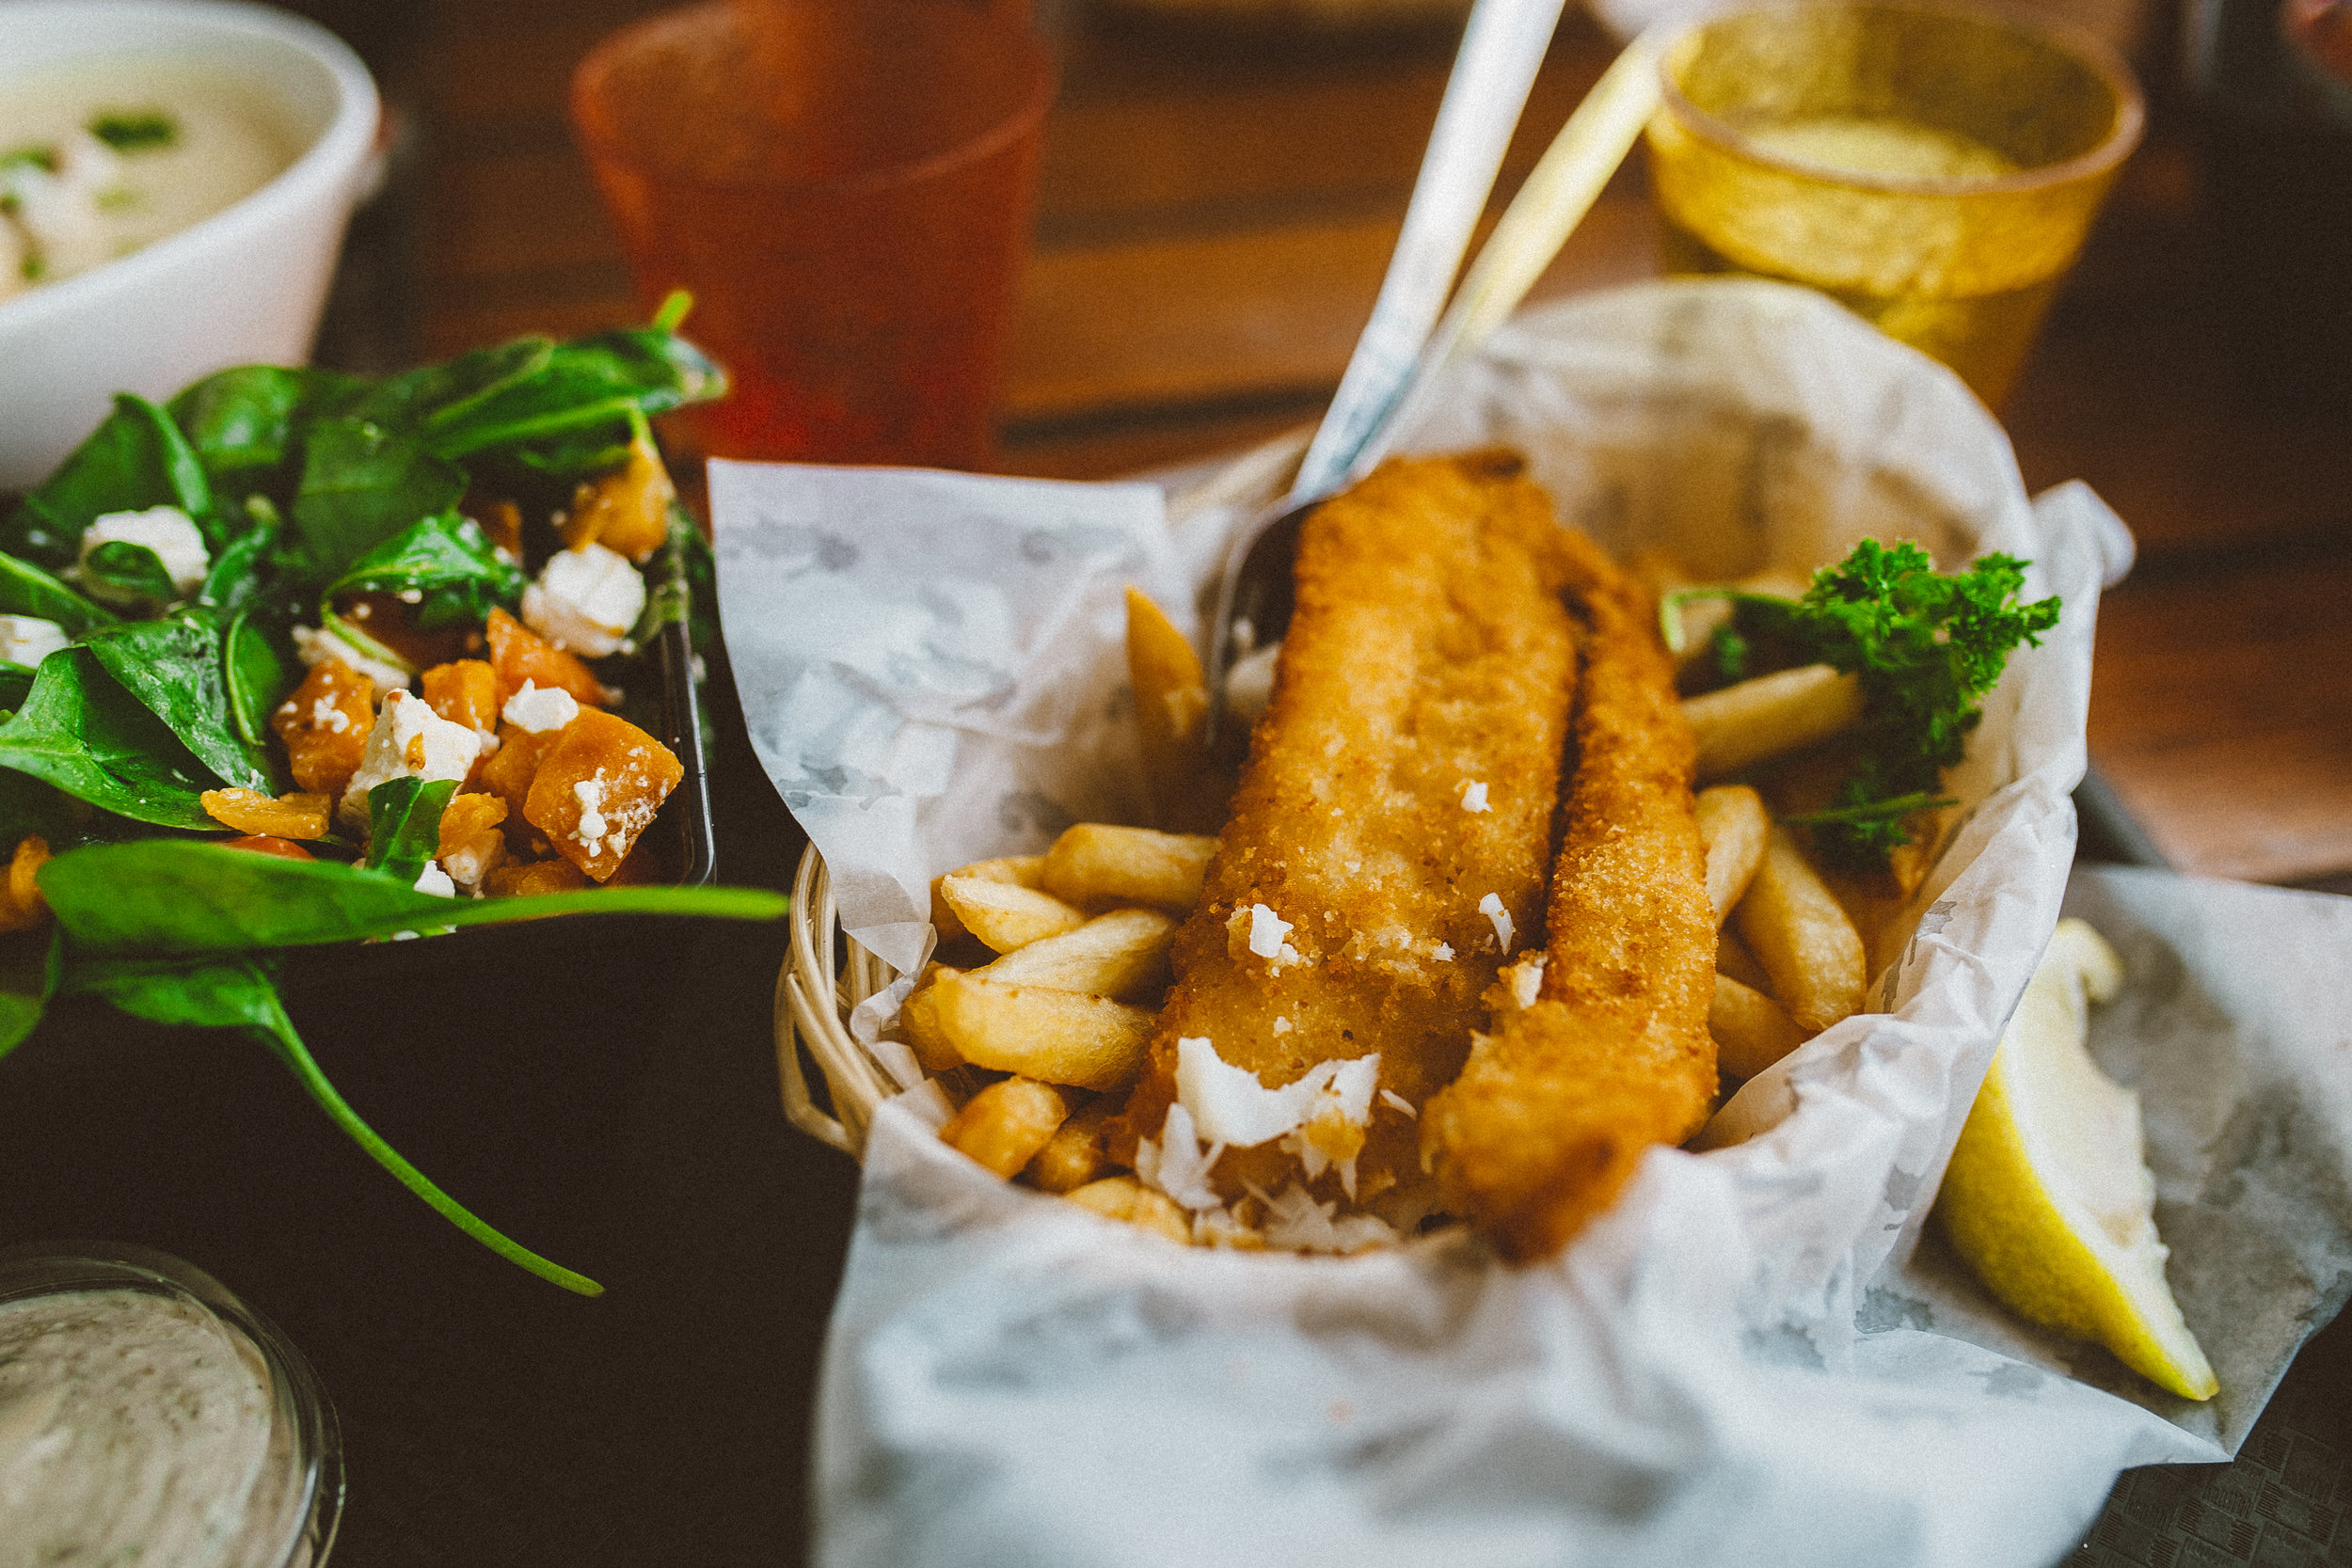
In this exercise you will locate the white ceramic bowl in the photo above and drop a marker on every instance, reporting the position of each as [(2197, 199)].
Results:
[(245, 286)]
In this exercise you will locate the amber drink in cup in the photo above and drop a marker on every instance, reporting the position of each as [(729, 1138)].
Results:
[(1934, 170), (846, 188)]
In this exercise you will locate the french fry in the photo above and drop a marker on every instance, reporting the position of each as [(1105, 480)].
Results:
[(1732, 958), (1095, 864), (1733, 826), (1750, 1030), (1797, 931), (1020, 870), (1005, 916), (1005, 1125), (1123, 954), (1057, 1037), (1123, 1198), (1188, 790), (1074, 1155), (1785, 711), (918, 1021)]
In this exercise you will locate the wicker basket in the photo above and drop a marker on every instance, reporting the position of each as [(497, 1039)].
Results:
[(826, 973)]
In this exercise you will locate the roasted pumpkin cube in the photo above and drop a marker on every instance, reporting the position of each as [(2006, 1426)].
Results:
[(523, 882), (464, 692), (250, 811), (627, 510), (508, 771), (598, 789), (22, 906), (324, 725), (471, 846), (500, 522), (519, 654)]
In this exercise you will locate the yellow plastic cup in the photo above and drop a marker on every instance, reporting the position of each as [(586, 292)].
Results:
[(1934, 170)]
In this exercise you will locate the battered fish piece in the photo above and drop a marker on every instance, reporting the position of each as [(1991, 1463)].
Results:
[(1407, 768), (1559, 1100)]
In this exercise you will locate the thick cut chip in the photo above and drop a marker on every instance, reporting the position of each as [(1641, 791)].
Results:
[(1074, 1156), (1342, 912), (1752, 1031), (1188, 790), (1006, 1124), (1123, 954), (1007, 916), (598, 789), (521, 656), (324, 725), (1095, 864), (1123, 1198), (1785, 711), (1057, 1037), (918, 1021), (1558, 1104), (1803, 937), (250, 811), (1020, 870), (1733, 826)]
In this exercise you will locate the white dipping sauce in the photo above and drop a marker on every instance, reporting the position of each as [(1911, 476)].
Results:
[(70, 201), (136, 1429)]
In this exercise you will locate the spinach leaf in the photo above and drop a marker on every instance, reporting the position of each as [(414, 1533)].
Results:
[(30, 962), (168, 895), (26, 590), (445, 392), (29, 806), (241, 994), (136, 458), (587, 385), (459, 577), (361, 484), (239, 570), (405, 824), (132, 573), (260, 674), (84, 734), (174, 666), (16, 683), (240, 421)]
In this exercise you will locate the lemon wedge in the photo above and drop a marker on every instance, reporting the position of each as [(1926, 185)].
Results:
[(2048, 1197)]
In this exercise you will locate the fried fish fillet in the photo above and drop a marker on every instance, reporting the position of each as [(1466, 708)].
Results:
[(1407, 768), (1558, 1102)]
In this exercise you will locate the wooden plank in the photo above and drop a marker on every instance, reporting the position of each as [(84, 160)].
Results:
[(2221, 712)]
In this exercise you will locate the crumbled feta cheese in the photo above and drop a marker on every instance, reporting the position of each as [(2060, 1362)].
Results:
[(324, 714), (1176, 1164), (1491, 906), (26, 640), (434, 880), (589, 794), (315, 644), (1443, 952), (540, 710), (1230, 1105), (1266, 931), (410, 740), (1474, 797), (585, 600), (170, 532)]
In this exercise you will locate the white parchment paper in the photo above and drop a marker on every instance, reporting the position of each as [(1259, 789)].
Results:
[(1753, 1358)]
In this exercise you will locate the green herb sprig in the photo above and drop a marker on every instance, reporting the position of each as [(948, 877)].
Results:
[(1927, 646)]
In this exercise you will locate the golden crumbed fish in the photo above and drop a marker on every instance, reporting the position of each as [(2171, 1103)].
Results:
[(1405, 771), (1558, 1102)]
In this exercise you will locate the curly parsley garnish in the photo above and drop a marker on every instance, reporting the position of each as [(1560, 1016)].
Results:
[(1927, 646)]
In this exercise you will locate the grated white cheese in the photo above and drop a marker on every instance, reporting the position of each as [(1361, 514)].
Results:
[(1396, 1102), (1297, 1221), (1176, 1165), (1266, 931), (1230, 1105), (1474, 797), (1526, 979), (1491, 906), (1443, 952), (1281, 1026)]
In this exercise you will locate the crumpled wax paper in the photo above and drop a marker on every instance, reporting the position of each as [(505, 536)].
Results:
[(1756, 1357)]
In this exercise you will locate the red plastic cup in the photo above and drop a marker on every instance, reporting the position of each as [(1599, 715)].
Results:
[(846, 188)]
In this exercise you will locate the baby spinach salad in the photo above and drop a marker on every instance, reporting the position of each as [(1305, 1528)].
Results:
[(1927, 647), (304, 657)]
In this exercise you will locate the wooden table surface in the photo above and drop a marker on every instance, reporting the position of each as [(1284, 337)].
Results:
[(1216, 215)]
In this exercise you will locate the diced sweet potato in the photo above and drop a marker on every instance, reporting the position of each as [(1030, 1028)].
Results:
[(464, 692), (509, 770), (500, 521), (324, 725), (471, 846), (518, 655), (250, 811), (627, 510), (268, 844), (598, 789), (640, 867), (523, 882), (22, 906)]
